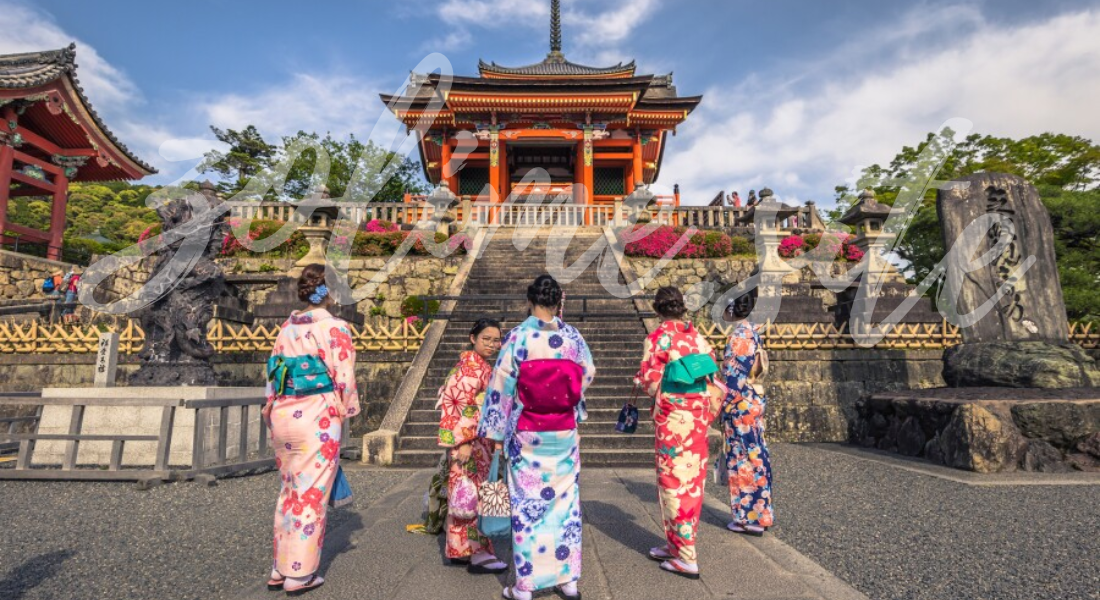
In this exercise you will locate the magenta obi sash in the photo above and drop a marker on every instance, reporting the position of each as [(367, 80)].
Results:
[(550, 390)]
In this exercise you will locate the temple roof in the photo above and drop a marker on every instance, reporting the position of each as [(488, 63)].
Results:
[(555, 65), (31, 70)]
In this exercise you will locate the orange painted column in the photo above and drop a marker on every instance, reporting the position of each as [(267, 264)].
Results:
[(505, 179), (447, 174), (630, 181), (637, 164), (57, 216)]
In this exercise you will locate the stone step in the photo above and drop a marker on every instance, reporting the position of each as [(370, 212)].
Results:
[(608, 402), (591, 458), (431, 428), (602, 440)]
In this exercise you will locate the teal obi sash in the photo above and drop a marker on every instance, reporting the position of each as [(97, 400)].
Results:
[(689, 374), (298, 375)]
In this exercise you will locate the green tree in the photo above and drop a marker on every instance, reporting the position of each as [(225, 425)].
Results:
[(247, 156), (357, 172), (1065, 169)]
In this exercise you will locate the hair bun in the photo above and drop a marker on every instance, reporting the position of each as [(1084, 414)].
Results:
[(313, 276), (545, 292)]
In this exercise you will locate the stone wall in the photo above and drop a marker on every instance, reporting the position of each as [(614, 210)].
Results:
[(813, 395), (414, 276), (378, 374), (21, 276)]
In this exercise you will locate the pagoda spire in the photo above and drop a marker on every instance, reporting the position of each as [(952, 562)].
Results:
[(555, 27)]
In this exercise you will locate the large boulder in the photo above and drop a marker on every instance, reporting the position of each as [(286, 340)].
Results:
[(1061, 424), (1041, 456), (1019, 365), (976, 440)]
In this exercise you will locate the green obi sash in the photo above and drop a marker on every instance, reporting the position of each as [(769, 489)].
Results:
[(689, 374), (298, 375)]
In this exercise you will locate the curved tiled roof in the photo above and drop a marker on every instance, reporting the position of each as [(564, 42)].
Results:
[(34, 69), (555, 65)]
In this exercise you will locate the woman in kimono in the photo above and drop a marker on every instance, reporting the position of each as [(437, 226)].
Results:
[(747, 462), (534, 402), (311, 391), (682, 417), (460, 401)]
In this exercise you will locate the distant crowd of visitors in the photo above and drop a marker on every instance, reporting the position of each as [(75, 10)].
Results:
[(517, 399), (64, 289)]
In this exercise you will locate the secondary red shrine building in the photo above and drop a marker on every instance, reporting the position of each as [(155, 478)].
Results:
[(599, 132), (49, 136)]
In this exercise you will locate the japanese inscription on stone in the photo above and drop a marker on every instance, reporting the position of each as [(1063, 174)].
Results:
[(106, 360), (1030, 306)]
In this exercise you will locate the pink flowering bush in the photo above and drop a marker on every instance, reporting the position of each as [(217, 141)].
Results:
[(380, 226), (661, 240), (836, 246)]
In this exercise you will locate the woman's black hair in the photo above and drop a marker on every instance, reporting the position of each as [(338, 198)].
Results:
[(312, 277), (545, 292), (742, 306), (482, 325), (669, 303)]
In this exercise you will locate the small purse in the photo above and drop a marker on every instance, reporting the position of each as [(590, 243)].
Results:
[(494, 506), (628, 416), (462, 498)]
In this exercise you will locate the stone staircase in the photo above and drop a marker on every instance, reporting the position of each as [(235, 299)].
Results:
[(616, 345)]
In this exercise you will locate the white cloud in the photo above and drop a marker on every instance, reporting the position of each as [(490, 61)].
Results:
[(588, 27), (311, 102), (822, 122)]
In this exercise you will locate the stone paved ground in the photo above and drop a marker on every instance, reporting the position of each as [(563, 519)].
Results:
[(891, 533), (896, 534)]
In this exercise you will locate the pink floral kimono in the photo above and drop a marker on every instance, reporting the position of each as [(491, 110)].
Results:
[(460, 401), (306, 433)]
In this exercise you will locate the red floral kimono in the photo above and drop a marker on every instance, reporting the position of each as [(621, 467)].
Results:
[(681, 441), (305, 432), (460, 401)]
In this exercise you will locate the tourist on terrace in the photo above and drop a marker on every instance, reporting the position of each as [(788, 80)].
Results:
[(736, 200), (311, 392), (747, 462), (682, 410), (460, 401), (534, 402)]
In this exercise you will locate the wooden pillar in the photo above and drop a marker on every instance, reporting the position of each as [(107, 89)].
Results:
[(505, 179), (57, 216), (7, 155), (494, 165), (447, 175), (638, 173), (631, 183)]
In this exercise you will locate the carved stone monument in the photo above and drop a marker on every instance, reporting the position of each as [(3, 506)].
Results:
[(176, 351), (1022, 341)]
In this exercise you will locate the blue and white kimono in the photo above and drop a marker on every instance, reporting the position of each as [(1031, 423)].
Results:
[(533, 403)]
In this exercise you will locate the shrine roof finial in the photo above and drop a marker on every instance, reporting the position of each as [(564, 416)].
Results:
[(555, 26)]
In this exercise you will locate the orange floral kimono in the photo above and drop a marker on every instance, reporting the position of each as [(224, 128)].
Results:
[(306, 433), (460, 401), (681, 441)]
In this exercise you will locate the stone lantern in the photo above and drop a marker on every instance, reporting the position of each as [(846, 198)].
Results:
[(639, 203), (442, 200), (868, 216), (766, 228), (317, 233)]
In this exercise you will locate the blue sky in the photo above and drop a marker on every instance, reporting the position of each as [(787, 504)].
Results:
[(798, 94)]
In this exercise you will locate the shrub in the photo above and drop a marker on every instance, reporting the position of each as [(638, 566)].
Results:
[(792, 246), (829, 246), (380, 226), (659, 242), (261, 229), (742, 246), (414, 306)]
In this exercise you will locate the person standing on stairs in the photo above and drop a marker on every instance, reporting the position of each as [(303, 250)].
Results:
[(311, 392), (531, 411), (459, 403), (677, 365), (748, 463)]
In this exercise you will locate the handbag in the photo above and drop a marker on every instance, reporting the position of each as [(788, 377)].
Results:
[(462, 498), (341, 490), (628, 416), (494, 506)]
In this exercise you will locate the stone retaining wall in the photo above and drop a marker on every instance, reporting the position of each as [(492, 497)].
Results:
[(21, 276), (813, 395)]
